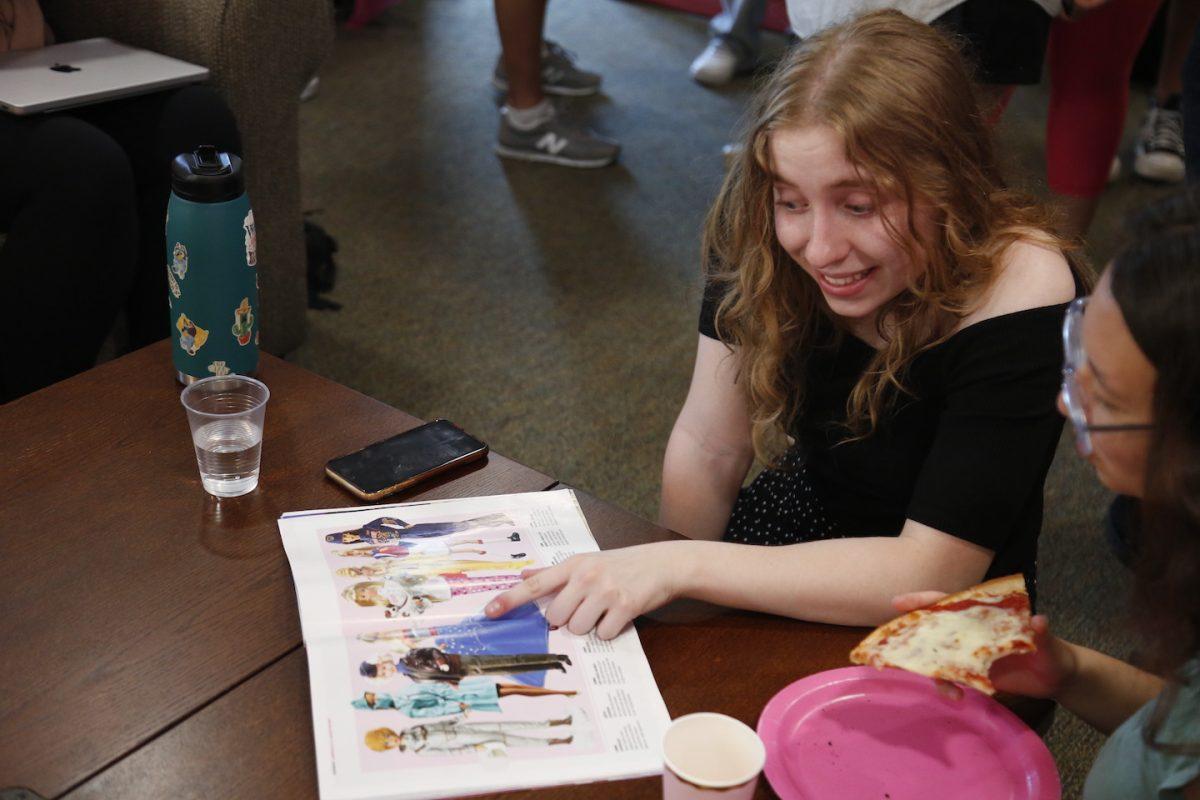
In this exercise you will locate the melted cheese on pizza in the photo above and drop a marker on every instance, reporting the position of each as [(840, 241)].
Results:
[(958, 637)]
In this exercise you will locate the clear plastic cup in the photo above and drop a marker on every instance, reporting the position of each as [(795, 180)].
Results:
[(226, 413)]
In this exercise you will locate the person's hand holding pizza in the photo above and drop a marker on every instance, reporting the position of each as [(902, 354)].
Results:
[(1042, 673)]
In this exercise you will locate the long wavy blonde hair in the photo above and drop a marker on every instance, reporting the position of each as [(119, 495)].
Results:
[(900, 96)]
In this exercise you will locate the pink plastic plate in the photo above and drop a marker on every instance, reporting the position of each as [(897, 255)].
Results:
[(859, 732)]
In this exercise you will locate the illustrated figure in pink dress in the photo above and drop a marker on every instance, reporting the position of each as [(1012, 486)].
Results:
[(416, 548), (438, 566), (406, 594)]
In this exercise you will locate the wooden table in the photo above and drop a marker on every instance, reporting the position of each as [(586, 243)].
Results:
[(150, 634)]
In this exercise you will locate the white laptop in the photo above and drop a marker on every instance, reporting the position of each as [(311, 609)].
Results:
[(85, 72)]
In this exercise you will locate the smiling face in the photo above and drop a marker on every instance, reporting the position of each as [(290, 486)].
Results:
[(1116, 383), (832, 224)]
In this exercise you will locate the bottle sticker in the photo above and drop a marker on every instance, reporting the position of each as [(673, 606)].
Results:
[(191, 336), (179, 261), (218, 368), (251, 239), (243, 322), (174, 284)]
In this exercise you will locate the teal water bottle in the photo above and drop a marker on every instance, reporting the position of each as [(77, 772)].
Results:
[(212, 274)]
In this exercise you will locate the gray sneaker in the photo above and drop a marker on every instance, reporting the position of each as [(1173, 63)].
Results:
[(1159, 153), (559, 74), (555, 142)]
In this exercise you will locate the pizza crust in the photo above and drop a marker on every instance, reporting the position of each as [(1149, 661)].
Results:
[(958, 637)]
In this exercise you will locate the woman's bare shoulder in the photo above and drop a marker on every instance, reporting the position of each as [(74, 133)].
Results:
[(1032, 273)]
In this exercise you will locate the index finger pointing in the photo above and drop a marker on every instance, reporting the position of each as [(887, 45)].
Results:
[(539, 584)]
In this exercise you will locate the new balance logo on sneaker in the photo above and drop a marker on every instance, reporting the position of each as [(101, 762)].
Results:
[(555, 142), (552, 143)]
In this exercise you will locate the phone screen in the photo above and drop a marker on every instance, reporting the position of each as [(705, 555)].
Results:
[(406, 456)]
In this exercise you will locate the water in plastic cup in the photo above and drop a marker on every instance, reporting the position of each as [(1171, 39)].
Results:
[(226, 415), (710, 756)]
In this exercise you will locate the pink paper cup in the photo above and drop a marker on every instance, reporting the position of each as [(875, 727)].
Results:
[(710, 756)]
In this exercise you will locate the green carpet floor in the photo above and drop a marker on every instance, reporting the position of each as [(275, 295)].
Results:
[(552, 311)]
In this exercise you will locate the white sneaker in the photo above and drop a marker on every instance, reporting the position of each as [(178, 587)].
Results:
[(717, 65)]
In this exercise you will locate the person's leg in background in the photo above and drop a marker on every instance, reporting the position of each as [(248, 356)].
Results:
[(152, 130), (1159, 155), (1090, 60), (1191, 108), (734, 42), (520, 24), (530, 128), (68, 211)]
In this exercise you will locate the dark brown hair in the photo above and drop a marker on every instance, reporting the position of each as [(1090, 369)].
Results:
[(1156, 283)]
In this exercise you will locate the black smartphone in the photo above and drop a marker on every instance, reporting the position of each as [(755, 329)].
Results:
[(405, 459)]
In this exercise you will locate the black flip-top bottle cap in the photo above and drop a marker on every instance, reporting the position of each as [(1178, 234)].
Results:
[(207, 175)]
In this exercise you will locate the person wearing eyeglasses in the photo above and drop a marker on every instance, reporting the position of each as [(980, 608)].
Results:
[(1131, 389), (1076, 400)]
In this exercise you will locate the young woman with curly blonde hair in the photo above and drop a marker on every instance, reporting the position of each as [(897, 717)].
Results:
[(881, 329)]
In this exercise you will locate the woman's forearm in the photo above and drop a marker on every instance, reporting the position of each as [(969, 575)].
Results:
[(699, 487), (852, 582), (1105, 691), (841, 581)]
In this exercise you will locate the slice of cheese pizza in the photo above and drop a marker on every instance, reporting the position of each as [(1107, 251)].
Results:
[(958, 637)]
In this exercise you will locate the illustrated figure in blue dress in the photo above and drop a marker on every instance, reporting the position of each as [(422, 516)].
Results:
[(522, 630), (392, 529), (443, 699)]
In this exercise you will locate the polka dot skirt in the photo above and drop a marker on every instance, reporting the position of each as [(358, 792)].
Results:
[(780, 506)]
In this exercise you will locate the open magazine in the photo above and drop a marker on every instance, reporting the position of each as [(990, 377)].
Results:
[(415, 694)]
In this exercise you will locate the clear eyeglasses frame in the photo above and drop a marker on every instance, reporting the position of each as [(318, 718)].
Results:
[(1074, 357)]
